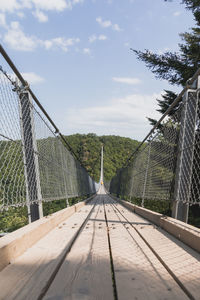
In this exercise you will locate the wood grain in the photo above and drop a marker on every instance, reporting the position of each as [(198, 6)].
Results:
[(86, 272), (138, 273), (29, 274), (183, 261)]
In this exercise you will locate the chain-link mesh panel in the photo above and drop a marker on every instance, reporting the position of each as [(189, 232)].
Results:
[(12, 179), (35, 165), (139, 173), (188, 166), (161, 163), (167, 167)]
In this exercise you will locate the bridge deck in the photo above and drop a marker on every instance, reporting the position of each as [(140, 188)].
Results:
[(104, 251)]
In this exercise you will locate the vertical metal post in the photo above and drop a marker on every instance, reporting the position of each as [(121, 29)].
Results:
[(90, 185), (34, 198), (119, 183), (67, 202), (87, 183), (101, 185), (101, 177), (132, 178), (146, 175), (131, 189), (64, 176), (184, 167)]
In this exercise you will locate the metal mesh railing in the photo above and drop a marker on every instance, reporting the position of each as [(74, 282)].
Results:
[(35, 165), (166, 166), (12, 179)]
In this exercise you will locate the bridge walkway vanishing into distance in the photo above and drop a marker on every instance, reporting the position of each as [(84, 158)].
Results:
[(103, 247), (103, 251)]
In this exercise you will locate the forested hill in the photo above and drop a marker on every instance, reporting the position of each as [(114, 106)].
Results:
[(87, 147)]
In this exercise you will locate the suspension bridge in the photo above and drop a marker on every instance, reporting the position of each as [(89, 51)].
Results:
[(102, 247)]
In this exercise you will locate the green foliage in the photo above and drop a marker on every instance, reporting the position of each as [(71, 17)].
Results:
[(176, 67), (87, 147), (165, 208), (162, 207), (194, 215), (13, 218), (167, 99), (12, 172), (170, 66), (194, 6), (53, 206), (17, 217)]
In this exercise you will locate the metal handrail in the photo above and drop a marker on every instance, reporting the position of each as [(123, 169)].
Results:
[(25, 84)]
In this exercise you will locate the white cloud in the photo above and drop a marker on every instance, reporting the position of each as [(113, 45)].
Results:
[(108, 23), (176, 13), (116, 27), (127, 44), (124, 116), (60, 43), (21, 15), (127, 80), (32, 78), (103, 23), (16, 39), (25, 4), (9, 5), (3, 20), (102, 37), (48, 44), (93, 38), (37, 6), (86, 51), (58, 5), (77, 1), (40, 16)]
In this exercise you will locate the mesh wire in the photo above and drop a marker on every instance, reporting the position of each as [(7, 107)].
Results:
[(35, 165), (167, 166), (12, 179)]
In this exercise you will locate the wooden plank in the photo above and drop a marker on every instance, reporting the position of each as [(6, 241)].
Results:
[(183, 261), (17, 242), (86, 273), (29, 274), (138, 273)]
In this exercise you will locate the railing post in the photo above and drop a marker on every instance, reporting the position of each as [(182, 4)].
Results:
[(184, 168), (131, 189), (64, 176), (119, 184), (146, 174), (31, 165)]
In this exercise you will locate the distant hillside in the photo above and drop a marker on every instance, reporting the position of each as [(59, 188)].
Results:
[(88, 149)]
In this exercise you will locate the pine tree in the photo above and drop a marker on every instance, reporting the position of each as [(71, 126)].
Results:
[(176, 67)]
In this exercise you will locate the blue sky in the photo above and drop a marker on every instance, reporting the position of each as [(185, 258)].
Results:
[(76, 56)]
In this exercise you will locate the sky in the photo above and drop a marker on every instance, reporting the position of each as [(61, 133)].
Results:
[(76, 56)]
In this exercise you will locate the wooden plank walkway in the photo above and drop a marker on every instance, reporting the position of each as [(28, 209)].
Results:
[(104, 251), (139, 274), (30, 274)]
